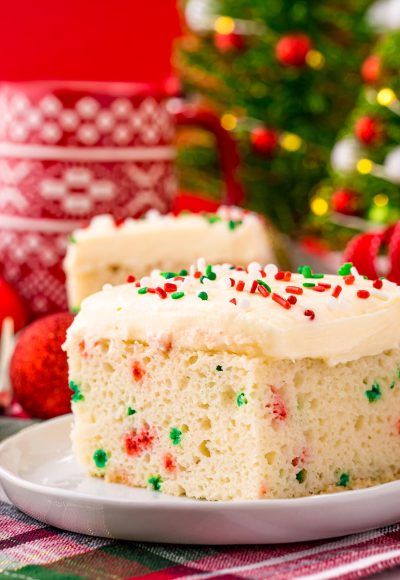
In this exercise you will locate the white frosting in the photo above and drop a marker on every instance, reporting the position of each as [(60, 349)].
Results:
[(342, 329)]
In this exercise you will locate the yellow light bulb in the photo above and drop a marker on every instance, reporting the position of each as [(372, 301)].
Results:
[(315, 59), (365, 166), (381, 199), (319, 206), (290, 141), (224, 25), (386, 97), (228, 121)]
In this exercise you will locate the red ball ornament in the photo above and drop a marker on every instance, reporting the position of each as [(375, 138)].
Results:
[(346, 202), (291, 50), (228, 42), (11, 305), (264, 141), (39, 371), (371, 69), (368, 130)]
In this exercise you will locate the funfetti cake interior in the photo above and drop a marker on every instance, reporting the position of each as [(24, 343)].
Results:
[(107, 252), (226, 384)]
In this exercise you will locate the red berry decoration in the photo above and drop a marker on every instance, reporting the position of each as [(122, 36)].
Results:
[(371, 69), (228, 42), (346, 201), (38, 371), (11, 305), (292, 49), (264, 141), (368, 130)]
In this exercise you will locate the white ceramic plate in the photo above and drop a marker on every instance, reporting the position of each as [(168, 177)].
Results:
[(41, 478)]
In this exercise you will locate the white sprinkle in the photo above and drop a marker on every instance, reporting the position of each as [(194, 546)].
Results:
[(107, 287), (207, 282), (192, 270), (155, 273), (254, 268), (355, 273), (235, 213), (102, 221), (185, 283), (244, 303), (152, 215), (146, 281), (201, 264), (379, 294), (271, 269), (224, 283)]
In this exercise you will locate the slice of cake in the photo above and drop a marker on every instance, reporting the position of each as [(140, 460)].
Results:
[(231, 384), (107, 252)]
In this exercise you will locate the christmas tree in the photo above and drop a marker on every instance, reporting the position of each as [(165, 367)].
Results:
[(364, 190), (283, 75)]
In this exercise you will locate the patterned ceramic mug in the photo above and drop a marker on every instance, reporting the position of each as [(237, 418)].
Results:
[(69, 151)]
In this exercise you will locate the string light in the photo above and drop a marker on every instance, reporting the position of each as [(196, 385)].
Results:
[(386, 97), (228, 121), (365, 166), (315, 59), (381, 199), (224, 25), (319, 206), (290, 141)]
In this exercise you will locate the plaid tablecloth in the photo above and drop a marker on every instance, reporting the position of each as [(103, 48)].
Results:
[(32, 550)]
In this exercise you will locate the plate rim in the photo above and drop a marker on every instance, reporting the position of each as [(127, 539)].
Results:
[(282, 503)]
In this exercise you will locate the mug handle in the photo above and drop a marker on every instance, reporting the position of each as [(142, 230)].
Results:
[(186, 114)]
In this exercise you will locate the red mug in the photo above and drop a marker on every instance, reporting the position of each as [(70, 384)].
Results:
[(70, 151)]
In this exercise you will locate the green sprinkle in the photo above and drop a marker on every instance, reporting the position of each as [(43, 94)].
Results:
[(241, 400), (262, 283), (344, 480), (77, 395), (308, 284), (100, 458), (202, 278), (219, 368), (318, 275), (392, 384), (233, 224), (374, 393), (72, 239), (142, 290), (177, 295), (75, 309), (183, 272), (203, 295), (301, 475), (306, 271), (398, 374), (175, 435), (168, 275), (345, 269), (155, 482), (131, 411), (212, 218)]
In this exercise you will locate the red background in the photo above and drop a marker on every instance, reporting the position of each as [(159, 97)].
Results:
[(110, 40)]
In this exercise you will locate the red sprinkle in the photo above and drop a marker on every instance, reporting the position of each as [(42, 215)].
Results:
[(137, 371), (364, 294), (263, 291), (232, 281), (240, 286), (179, 278), (151, 290), (292, 299), (281, 301), (197, 274), (310, 314), (278, 407), (130, 279), (324, 285), (137, 284), (349, 280), (336, 291), (169, 462), (233, 301), (169, 287), (118, 222), (287, 276), (161, 292), (318, 288), (294, 290), (137, 442), (279, 275), (253, 287), (377, 284), (262, 274)]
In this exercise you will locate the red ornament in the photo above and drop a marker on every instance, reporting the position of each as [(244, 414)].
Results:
[(291, 50), (229, 42), (39, 371), (371, 69), (11, 305), (346, 201), (368, 130), (264, 141)]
